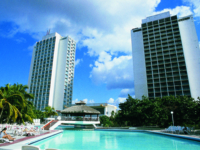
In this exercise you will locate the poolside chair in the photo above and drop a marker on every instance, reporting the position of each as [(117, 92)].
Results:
[(179, 129), (51, 149), (168, 129), (30, 147), (3, 140)]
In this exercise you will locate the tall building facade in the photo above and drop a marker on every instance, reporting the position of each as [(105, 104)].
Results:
[(52, 71), (166, 57)]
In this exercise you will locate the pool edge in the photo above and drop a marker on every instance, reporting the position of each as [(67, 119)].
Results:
[(154, 132)]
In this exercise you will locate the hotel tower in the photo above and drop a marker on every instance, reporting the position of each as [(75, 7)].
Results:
[(52, 71), (166, 57)]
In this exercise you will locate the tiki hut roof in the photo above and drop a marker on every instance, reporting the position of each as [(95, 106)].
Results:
[(82, 109), (80, 103)]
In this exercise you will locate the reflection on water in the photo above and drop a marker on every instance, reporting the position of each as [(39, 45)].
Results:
[(99, 140)]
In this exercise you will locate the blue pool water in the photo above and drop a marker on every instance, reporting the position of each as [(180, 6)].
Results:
[(100, 140)]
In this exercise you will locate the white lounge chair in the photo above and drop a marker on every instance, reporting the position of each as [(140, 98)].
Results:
[(3, 140), (168, 129), (30, 147), (51, 149)]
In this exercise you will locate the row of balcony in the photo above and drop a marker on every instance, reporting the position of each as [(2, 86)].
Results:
[(165, 43), (174, 90), (158, 61), (166, 80), (166, 76), (160, 32), (166, 71), (158, 53), (158, 40), (164, 46), (169, 64), (154, 61), (161, 23), (176, 35), (185, 93), (168, 84)]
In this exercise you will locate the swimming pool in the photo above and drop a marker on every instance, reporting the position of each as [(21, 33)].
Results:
[(99, 140)]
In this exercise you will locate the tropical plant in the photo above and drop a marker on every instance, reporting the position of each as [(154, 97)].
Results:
[(27, 111), (105, 120), (8, 102), (38, 114), (146, 112), (50, 111), (15, 97)]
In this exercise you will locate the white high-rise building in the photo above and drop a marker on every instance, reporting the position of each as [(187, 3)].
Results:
[(52, 71), (166, 57)]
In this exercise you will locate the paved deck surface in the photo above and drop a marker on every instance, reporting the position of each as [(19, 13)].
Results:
[(22, 140)]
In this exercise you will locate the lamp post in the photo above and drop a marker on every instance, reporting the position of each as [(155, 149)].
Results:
[(172, 117)]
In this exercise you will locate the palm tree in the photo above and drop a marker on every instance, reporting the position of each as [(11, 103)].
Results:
[(50, 111), (23, 90), (27, 111), (8, 102)]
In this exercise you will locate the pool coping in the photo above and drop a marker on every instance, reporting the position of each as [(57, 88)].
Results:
[(28, 140), (155, 132)]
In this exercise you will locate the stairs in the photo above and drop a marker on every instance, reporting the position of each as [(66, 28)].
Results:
[(49, 124)]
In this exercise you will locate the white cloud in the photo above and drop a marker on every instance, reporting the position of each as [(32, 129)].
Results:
[(117, 101), (115, 73), (111, 100), (120, 100), (20, 40), (30, 49), (77, 62), (10, 33), (91, 101), (195, 4), (100, 25), (180, 11), (74, 101), (104, 29), (85, 100), (90, 65), (125, 92)]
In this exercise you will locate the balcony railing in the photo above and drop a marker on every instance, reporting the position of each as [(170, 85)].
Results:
[(81, 119)]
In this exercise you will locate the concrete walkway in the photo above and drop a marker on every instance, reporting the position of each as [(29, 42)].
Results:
[(22, 140)]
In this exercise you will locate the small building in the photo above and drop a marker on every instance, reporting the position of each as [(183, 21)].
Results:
[(81, 112), (78, 114), (105, 109)]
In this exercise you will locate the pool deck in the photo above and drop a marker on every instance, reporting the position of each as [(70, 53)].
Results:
[(188, 136), (20, 141)]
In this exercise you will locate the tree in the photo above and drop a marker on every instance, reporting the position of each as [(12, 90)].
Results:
[(38, 114), (27, 111), (19, 98), (50, 111), (8, 101), (156, 111), (105, 120), (112, 115)]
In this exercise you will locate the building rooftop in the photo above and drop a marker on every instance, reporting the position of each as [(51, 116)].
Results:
[(80, 108), (156, 17)]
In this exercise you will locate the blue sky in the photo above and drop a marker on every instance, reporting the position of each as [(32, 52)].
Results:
[(103, 71)]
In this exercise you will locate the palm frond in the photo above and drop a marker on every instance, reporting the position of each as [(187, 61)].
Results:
[(2, 101)]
